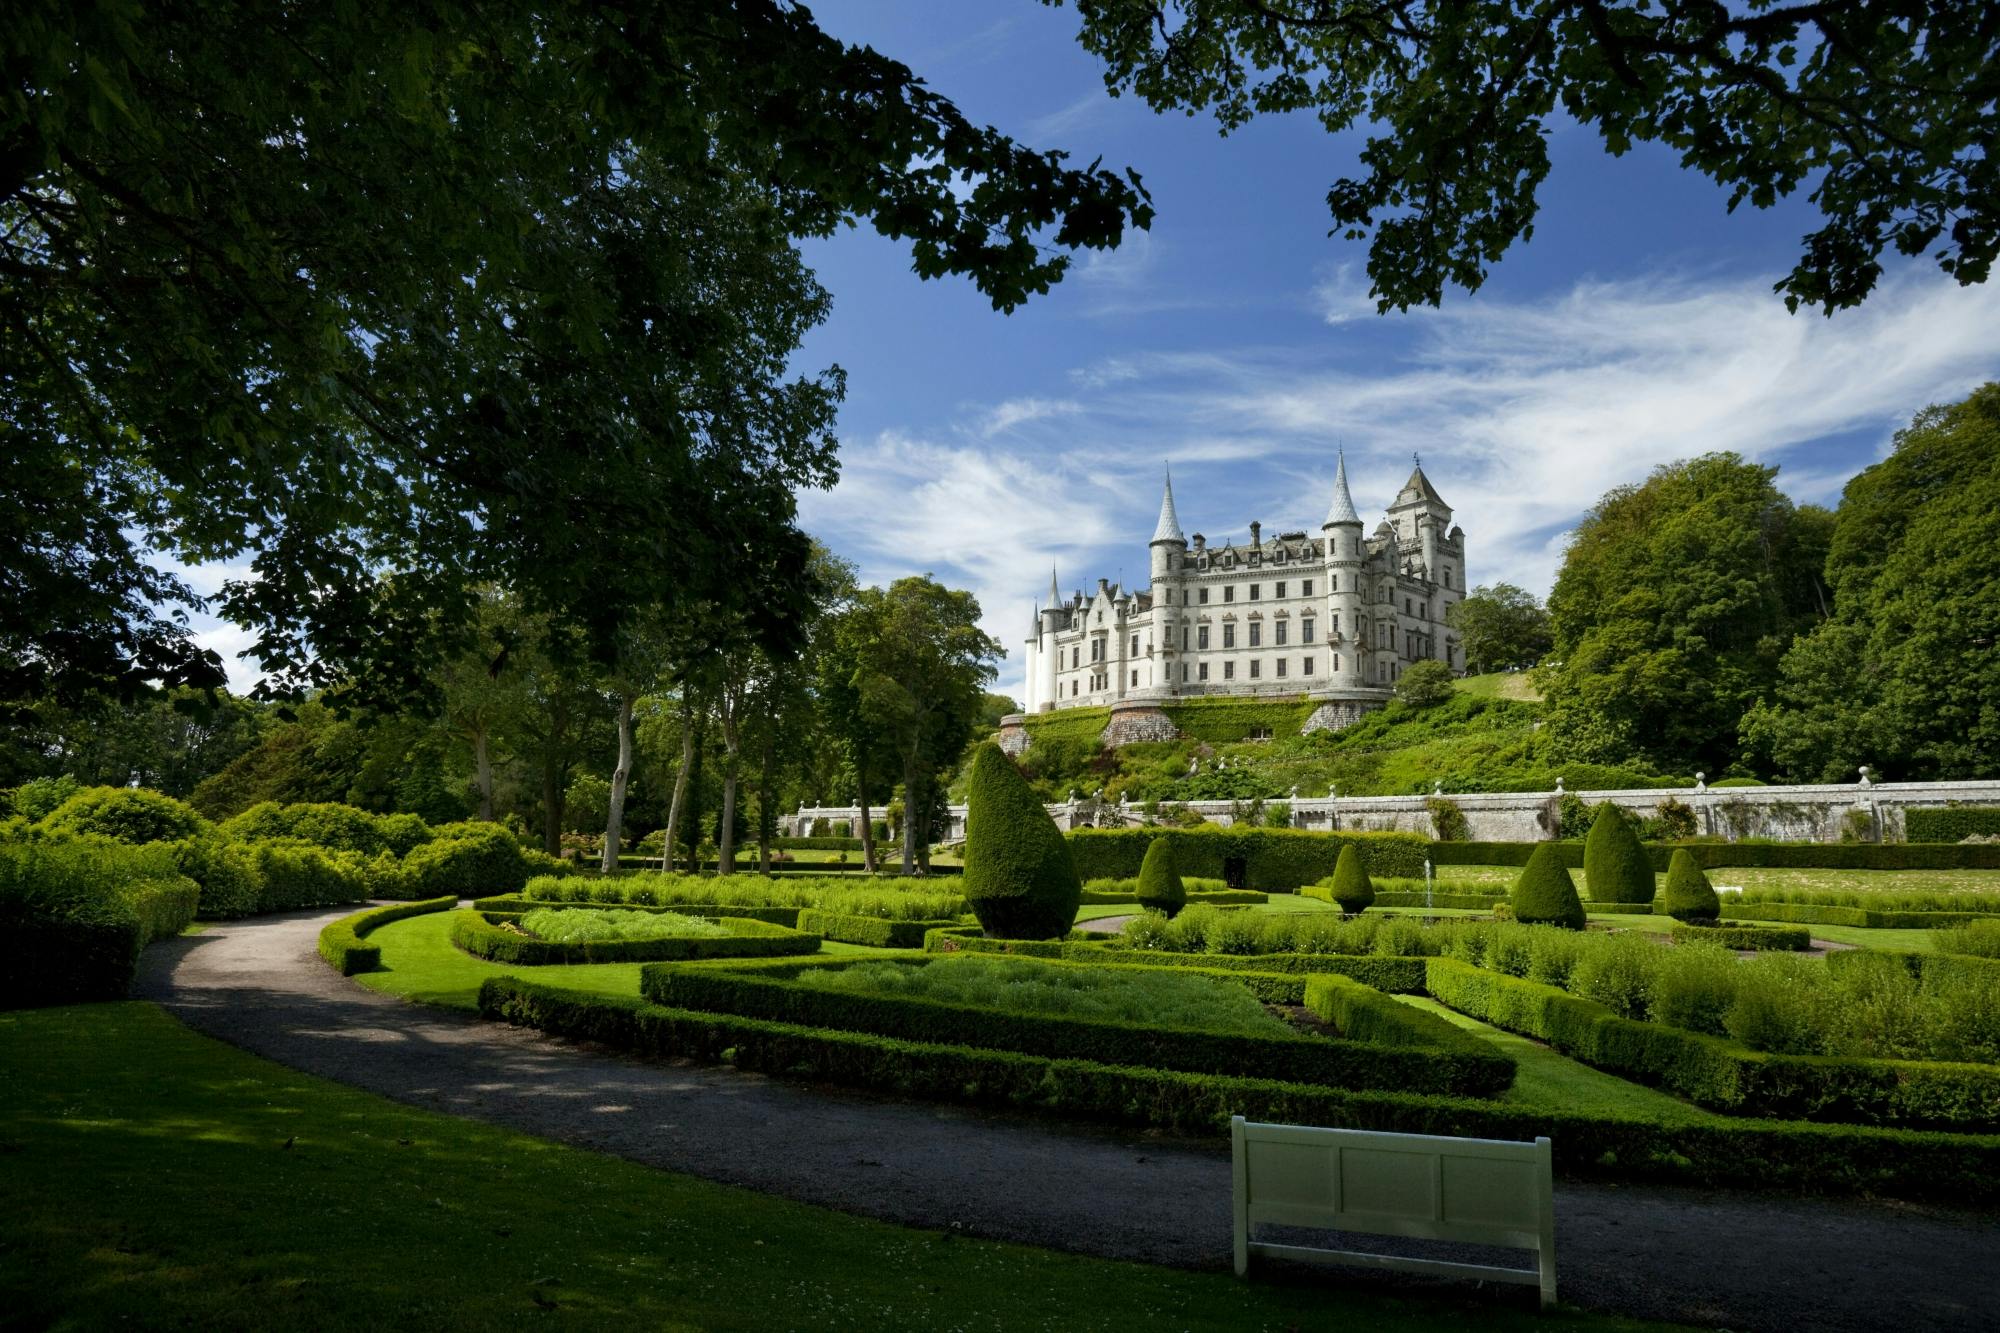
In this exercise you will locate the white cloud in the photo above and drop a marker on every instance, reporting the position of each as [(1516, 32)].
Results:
[(231, 641), (1021, 411), (1083, 111)]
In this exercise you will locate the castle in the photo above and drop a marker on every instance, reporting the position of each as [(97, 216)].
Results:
[(1336, 617)]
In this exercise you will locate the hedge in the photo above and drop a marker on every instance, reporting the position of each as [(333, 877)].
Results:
[(1475, 902), (1815, 915), (1720, 1074), (1271, 859), (871, 930), (1213, 897), (341, 942), (77, 913), (479, 934), (1933, 969), (1219, 721), (1362, 1013), (1745, 855), (1951, 823), (1399, 976), (1739, 935), (1020, 877), (1297, 1059), (1956, 1168), (517, 903)]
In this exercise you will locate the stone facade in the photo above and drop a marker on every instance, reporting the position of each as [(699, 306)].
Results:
[(1336, 617), (1137, 721)]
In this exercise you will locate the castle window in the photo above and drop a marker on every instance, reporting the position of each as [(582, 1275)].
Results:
[(1255, 666), (1278, 633), (1280, 593), (1409, 609), (1256, 588), (1204, 597), (1447, 578), (1256, 635), (1281, 666), (1229, 671), (1306, 665), (1184, 673), (1135, 645), (1229, 636), (1203, 633), (1204, 671), (1184, 638), (1305, 587), (1306, 630), (1229, 592), (1072, 689), (1135, 678), (1075, 655)]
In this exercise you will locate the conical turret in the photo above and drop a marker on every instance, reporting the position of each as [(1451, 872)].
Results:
[(1168, 529), (1342, 508)]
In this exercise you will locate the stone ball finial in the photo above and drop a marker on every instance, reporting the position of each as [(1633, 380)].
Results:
[(1559, 786), (1437, 786), (1701, 782), (1865, 780)]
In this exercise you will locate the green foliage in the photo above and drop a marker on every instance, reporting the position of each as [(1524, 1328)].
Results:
[(1351, 887), (1425, 684), (292, 875), (572, 925), (1741, 935), (483, 935), (76, 912), (130, 815), (1689, 895), (1075, 726), (37, 799), (878, 932), (1545, 894), (1674, 822), (1774, 855), (1019, 877), (883, 899), (331, 825), (1448, 821), (1980, 939), (1160, 888), (1902, 676), (1501, 626), (342, 942), (467, 859), (1269, 859), (1614, 862), (1221, 720), (1951, 824)]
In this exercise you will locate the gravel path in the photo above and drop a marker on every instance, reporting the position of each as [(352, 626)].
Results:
[(1700, 1257)]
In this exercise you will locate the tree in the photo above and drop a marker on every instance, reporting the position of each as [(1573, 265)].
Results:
[(1425, 685), (843, 668), (1690, 897), (1352, 888), (1019, 878), (1160, 886), (426, 293), (1614, 864), (478, 694), (1904, 676), (1883, 109), (1673, 606), (1544, 894), (1501, 626)]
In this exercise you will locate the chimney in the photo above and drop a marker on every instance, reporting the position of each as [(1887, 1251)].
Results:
[(1256, 529), (1200, 542), (1103, 585)]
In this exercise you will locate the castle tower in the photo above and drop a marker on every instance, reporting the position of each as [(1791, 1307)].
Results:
[(1342, 532), (1048, 657), (1422, 519), (1169, 563)]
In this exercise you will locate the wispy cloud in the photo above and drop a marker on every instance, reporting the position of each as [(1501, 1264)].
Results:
[(1085, 110)]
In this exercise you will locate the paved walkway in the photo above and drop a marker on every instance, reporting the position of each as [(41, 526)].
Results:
[(1700, 1257)]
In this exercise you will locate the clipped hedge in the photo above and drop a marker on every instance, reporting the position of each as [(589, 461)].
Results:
[(1300, 1059), (1951, 823), (1020, 878), (1280, 860), (76, 913), (1362, 1013), (1616, 865), (1471, 902), (1959, 1168), (1745, 855), (342, 944), (1741, 935), (819, 844), (480, 934), (872, 930), (517, 903), (1812, 914), (1221, 721), (1932, 969), (1720, 1074), (1213, 897)]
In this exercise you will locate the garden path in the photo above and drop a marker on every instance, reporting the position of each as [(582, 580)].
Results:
[(1695, 1256)]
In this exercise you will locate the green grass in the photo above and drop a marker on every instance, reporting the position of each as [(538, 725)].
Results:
[(577, 925), (1015, 986), (156, 1178), (1517, 685)]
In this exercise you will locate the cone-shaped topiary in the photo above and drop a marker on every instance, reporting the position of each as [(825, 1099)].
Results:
[(1545, 894), (1018, 876), (1160, 887), (1690, 897), (1614, 864), (1352, 888)]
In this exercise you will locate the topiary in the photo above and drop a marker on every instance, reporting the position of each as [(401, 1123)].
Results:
[(129, 815), (1690, 897), (1160, 887), (1352, 888), (1545, 894), (1614, 864), (1019, 879)]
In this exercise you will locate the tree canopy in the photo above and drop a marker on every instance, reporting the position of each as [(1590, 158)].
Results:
[(1501, 626), (1885, 110), (389, 303)]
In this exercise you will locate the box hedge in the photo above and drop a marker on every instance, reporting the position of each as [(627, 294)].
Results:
[(1359, 1011), (1952, 823), (76, 913), (1020, 878), (1544, 894), (343, 944), (480, 934), (1743, 935), (1747, 855), (1747, 1154), (1812, 914), (871, 930), (1688, 896), (1160, 887), (1273, 860), (1614, 862)]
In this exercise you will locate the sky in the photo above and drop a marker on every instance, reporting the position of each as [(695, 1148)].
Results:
[(1236, 342)]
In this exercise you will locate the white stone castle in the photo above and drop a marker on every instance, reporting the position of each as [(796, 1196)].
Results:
[(1336, 617)]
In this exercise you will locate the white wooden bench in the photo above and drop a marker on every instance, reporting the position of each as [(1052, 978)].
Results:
[(1473, 1191)]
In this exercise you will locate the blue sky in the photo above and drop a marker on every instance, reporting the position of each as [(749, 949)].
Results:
[(1236, 340)]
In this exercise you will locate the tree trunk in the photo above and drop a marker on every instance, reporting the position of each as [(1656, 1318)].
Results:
[(764, 819), (675, 805), (725, 824), (912, 793), (621, 776), (482, 763), (552, 802), (867, 825)]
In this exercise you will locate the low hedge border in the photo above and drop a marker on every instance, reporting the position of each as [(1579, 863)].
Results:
[(1477, 902), (1931, 968), (1956, 1168), (1764, 855), (341, 942), (1816, 915), (1951, 823), (514, 902), (871, 930), (1364, 1013), (1296, 1059), (1213, 897), (479, 934), (1720, 1074), (1742, 935)]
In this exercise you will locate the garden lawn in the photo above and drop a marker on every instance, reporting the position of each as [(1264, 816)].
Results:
[(419, 963), (157, 1178)]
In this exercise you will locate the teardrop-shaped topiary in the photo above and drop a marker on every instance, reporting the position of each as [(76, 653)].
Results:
[(1352, 888), (1690, 897), (1545, 894), (1019, 879), (1160, 887), (1614, 864)]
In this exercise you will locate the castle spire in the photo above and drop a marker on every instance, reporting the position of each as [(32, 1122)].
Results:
[(1342, 508), (1055, 593), (1168, 529)]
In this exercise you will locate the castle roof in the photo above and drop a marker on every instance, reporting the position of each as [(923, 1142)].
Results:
[(1168, 529), (1418, 490), (1342, 508)]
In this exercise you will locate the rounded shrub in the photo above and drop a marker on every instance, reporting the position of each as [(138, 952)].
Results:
[(227, 873), (1690, 897), (472, 858), (1160, 887), (1019, 879), (1352, 888), (130, 815), (328, 824), (1614, 863), (1544, 894)]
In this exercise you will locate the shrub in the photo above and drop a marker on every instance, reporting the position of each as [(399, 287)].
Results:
[(1614, 862), (1980, 939), (1690, 897), (292, 875), (1545, 894), (324, 823), (466, 859), (76, 912), (1019, 878), (575, 925), (1267, 859), (1742, 935), (481, 935), (1692, 987), (1674, 821), (129, 815), (37, 798), (1425, 685), (1778, 1006), (1447, 819), (1617, 972), (1951, 824), (880, 932), (226, 872), (1160, 887), (1351, 887)]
